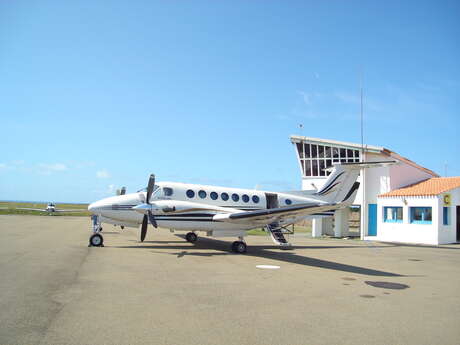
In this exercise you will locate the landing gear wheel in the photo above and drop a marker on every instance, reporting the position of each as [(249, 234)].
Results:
[(239, 247), (96, 240), (191, 237)]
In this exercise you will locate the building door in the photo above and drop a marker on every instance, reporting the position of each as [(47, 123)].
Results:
[(372, 220), (458, 223)]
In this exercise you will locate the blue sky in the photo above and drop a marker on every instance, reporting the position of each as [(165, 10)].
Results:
[(98, 94)]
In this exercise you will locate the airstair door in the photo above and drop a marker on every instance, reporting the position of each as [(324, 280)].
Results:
[(272, 200)]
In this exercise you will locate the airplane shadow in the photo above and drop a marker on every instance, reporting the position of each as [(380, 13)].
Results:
[(265, 252)]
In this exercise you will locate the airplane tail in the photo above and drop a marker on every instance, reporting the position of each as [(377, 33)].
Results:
[(341, 186)]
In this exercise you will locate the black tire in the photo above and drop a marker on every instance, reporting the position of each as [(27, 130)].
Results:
[(96, 240), (239, 247), (191, 237)]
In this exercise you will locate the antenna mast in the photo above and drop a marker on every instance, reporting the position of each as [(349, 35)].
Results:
[(362, 124)]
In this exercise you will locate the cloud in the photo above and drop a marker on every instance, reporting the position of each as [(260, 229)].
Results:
[(102, 174), (46, 169), (111, 189), (307, 98)]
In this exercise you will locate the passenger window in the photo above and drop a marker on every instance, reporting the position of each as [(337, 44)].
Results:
[(288, 201), (255, 199), (202, 194), (224, 196), (190, 193), (235, 197), (245, 198), (213, 195), (167, 191)]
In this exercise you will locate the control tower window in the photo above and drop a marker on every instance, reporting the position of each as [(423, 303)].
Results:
[(314, 158), (300, 150)]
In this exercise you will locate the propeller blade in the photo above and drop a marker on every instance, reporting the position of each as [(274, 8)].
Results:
[(144, 228), (150, 187), (152, 219)]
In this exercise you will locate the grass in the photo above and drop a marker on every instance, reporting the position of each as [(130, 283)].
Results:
[(7, 207)]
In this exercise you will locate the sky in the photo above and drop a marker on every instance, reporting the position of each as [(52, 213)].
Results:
[(95, 95)]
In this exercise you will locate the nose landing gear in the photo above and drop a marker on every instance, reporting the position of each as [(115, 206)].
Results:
[(96, 239)]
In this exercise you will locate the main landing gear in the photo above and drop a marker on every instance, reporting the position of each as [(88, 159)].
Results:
[(191, 237), (96, 239), (239, 246)]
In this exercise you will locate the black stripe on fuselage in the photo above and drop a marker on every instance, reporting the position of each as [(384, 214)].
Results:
[(352, 190), (325, 188)]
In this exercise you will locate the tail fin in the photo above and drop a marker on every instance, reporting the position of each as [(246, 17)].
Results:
[(341, 186)]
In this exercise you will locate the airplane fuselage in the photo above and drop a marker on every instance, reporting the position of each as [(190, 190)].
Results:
[(191, 207)]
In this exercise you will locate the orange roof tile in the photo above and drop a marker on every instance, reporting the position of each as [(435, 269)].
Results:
[(432, 186)]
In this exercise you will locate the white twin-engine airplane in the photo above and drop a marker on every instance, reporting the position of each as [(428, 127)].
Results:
[(50, 208), (225, 212)]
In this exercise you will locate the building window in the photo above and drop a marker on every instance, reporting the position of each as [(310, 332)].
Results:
[(190, 193), (202, 194), (393, 214), (245, 198), (213, 195), (300, 150), (445, 216), (314, 159), (224, 196), (168, 191), (255, 199), (235, 197), (420, 215)]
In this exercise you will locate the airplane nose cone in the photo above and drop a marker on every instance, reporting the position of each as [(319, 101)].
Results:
[(95, 207), (91, 207)]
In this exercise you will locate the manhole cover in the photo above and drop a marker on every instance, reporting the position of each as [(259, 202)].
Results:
[(387, 285)]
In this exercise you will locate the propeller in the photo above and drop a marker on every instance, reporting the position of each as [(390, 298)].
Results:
[(149, 216)]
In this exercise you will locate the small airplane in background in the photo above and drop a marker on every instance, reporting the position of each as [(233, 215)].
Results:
[(225, 212), (50, 208)]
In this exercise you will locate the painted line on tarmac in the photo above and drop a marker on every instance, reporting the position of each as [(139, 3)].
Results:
[(268, 267)]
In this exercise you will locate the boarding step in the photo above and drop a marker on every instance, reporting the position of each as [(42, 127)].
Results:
[(277, 235)]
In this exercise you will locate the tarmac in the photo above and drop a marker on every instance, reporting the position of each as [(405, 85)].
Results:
[(54, 289)]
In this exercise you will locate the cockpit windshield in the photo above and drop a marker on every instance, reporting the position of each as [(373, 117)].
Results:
[(155, 193)]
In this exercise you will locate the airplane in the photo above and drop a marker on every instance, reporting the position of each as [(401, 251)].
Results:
[(226, 212), (50, 208)]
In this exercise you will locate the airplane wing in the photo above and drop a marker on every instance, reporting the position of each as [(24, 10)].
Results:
[(270, 215), (64, 210), (31, 209)]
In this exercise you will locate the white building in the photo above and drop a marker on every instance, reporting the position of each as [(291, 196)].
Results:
[(427, 212), (314, 155)]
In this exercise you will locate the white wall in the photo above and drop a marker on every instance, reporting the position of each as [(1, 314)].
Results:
[(404, 174), (405, 231), (448, 233)]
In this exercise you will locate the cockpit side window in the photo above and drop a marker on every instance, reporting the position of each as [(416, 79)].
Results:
[(167, 191)]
